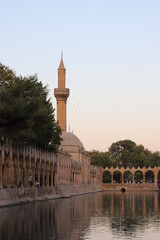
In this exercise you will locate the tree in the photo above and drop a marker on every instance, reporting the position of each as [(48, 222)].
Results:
[(26, 115), (122, 152), (100, 158), (127, 153), (6, 75)]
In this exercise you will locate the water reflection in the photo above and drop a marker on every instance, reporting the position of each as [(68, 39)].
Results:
[(105, 215)]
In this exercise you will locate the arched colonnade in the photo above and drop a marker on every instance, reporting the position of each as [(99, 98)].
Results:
[(129, 175), (47, 169)]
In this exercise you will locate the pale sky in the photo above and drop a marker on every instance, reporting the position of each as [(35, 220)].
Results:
[(111, 53)]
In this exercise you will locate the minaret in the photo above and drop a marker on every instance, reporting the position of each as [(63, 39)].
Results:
[(61, 93)]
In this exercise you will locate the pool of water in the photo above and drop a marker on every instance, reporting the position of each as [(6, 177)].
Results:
[(105, 215)]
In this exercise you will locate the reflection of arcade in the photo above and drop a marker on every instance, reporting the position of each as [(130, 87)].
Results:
[(135, 208), (72, 217), (56, 219)]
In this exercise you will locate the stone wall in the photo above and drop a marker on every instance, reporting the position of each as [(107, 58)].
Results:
[(56, 175), (128, 187)]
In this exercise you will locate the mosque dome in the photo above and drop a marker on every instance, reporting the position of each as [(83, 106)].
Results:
[(70, 139), (71, 144)]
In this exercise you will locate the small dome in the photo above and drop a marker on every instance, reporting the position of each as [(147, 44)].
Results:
[(70, 139)]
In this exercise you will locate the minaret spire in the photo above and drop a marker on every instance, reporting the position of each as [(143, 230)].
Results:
[(61, 65), (61, 93)]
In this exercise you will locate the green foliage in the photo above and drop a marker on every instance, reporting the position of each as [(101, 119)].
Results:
[(26, 115), (100, 158), (6, 75), (127, 154), (106, 177)]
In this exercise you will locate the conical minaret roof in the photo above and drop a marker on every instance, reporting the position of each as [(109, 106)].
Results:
[(61, 65)]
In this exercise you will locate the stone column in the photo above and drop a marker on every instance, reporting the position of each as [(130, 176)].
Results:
[(132, 177), (51, 177), (43, 183), (122, 177), (1, 170), (33, 177), (0, 175), (143, 177), (17, 174), (39, 174), (8, 170), (27, 176), (47, 183), (155, 178), (111, 177), (23, 176)]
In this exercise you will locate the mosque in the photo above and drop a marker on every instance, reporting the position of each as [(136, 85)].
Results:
[(66, 173), (70, 142)]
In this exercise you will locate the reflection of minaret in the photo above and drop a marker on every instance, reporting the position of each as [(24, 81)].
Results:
[(61, 93)]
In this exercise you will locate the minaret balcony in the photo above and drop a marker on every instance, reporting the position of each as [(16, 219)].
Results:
[(62, 93)]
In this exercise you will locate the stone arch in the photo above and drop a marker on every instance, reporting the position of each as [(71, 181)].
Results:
[(158, 178), (128, 177), (149, 176), (138, 176), (106, 178), (117, 176)]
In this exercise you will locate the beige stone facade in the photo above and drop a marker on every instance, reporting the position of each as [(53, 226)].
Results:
[(49, 170)]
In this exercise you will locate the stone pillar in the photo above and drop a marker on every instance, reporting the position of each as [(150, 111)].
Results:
[(43, 180), (51, 172), (143, 177), (27, 176), (0, 175), (1, 170), (23, 176), (47, 183), (155, 178), (8, 170), (55, 180), (33, 177), (122, 177), (111, 177), (132, 177), (39, 174), (1, 164), (17, 174)]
